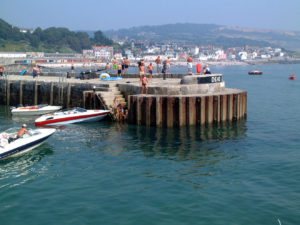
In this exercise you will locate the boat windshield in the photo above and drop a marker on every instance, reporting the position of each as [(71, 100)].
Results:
[(15, 130), (78, 109), (41, 106), (12, 130)]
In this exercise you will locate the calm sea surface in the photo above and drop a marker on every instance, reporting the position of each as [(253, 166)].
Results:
[(109, 173)]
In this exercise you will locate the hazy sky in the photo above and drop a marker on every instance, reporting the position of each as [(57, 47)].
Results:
[(115, 14)]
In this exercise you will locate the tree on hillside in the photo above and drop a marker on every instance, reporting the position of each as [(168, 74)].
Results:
[(51, 39), (100, 39)]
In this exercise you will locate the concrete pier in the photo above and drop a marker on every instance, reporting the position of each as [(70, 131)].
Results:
[(182, 101)]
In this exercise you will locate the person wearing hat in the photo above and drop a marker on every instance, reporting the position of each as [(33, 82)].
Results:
[(22, 131)]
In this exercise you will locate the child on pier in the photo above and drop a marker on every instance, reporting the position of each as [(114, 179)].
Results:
[(150, 69), (144, 84)]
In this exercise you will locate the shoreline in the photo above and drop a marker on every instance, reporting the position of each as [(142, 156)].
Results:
[(173, 63)]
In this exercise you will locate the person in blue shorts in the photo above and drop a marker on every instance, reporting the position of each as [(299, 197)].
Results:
[(35, 71)]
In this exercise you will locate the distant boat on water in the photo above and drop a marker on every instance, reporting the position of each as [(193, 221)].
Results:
[(255, 72), (292, 77)]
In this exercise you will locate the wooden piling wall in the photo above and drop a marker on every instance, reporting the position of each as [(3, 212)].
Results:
[(176, 111), (68, 95)]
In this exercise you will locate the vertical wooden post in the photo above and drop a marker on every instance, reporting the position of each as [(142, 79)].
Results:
[(83, 93), (182, 111), (7, 92), (132, 111), (246, 103), (69, 96), (223, 107), (21, 92), (192, 110), (170, 108), (241, 97), (35, 93), (230, 107), (62, 96), (150, 111), (216, 109), (143, 110), (139, 110), (51, 93), (209, 109), (203, 111), (235, 106), (158, 111)]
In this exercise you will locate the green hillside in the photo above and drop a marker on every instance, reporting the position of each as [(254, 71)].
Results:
[(210, 34), (49, 40)]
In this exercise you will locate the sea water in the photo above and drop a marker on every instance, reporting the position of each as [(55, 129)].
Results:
[(110, 173)]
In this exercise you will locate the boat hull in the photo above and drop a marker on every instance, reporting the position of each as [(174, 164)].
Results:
[(23, 145), (71, 119), (293, 77), (34, 112), (255, 73)]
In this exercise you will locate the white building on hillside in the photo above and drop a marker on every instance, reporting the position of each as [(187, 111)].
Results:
[(103, 52), (242, 55), (13, 55)]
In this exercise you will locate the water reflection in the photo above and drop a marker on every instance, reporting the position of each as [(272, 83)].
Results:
[(23, 118), (191, 155), (187, 141), (20, 169)]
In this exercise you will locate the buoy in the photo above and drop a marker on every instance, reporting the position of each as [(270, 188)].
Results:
[(199, 68), (292, 77)]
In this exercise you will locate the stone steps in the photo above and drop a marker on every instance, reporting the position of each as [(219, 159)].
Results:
[(109, 93)]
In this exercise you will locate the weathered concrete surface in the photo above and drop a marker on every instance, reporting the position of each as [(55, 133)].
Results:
[(174, 86)]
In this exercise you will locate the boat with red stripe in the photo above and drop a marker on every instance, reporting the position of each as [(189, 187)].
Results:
[(75, 115)]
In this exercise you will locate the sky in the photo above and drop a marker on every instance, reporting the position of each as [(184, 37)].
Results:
[(91, 15)]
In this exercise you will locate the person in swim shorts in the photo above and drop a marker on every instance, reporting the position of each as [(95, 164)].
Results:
[(115, 64), (119, 70), (190, 64), (35, 71), (158, 64), (142, 69), (127, 63), (168, 64), (2, 68), (144, 84), (150, 70)]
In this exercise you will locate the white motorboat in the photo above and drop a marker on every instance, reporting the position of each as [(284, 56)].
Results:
[(34, 110), (10, 145), (75, 115)]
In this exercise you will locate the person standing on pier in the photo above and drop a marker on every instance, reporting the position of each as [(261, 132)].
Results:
[(35, 71), (150, 69), (123, 65), (206, 70), (119, 70), (168, 64), (2, 68), (115, 65), (107, 67), (164, 69), (190, 64), (142, 69), (127, 63), (72, 68), (144, 84), (158, 64)]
